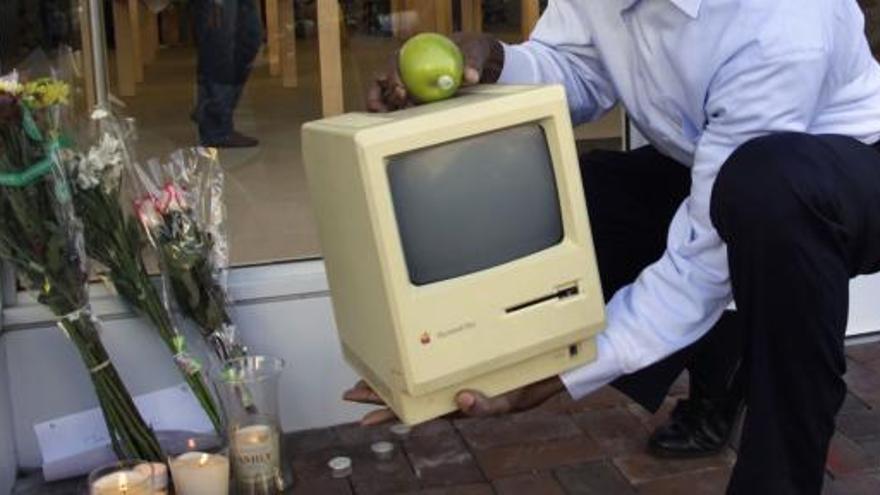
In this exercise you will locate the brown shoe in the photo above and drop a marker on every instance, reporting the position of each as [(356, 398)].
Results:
[(234, 140)]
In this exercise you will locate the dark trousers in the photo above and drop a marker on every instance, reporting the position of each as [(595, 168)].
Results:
[(229, 35), (800, 215), (631, 199)]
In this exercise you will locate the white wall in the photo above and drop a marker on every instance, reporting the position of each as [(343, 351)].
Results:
[(864, 305), (8, 461)]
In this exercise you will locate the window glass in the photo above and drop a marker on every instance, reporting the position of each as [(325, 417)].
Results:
[(245, 75)]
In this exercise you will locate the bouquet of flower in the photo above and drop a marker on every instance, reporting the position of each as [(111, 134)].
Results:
[(42, 237), (181, 210), (115, 239)]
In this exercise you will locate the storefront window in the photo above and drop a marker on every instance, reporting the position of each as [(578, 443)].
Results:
[(232, 72)]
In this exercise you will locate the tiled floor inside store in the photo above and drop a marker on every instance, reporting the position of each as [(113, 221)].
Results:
[(268, 207), (593, 446)]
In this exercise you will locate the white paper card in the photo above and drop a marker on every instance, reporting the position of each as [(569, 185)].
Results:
[(73, 445)]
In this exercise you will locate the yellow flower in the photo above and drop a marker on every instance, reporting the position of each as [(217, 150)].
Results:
[(46, 92)]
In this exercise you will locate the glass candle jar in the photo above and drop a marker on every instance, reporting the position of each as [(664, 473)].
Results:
[(248, 390)]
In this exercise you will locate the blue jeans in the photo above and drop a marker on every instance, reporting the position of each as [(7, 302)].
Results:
[(229, 36)]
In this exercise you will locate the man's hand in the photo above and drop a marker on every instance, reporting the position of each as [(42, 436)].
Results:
[(470, 402), (483, 60)]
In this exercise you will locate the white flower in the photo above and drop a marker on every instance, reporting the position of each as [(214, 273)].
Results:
[(9, 84), (102, 165)]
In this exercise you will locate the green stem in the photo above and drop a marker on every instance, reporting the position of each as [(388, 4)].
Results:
[(128, 430)]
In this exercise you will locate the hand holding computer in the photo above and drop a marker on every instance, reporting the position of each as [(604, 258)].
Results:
[(470, 402), (484, 57)]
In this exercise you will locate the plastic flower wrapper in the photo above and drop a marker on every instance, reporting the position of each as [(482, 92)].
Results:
[(180, 206), (116, 240), (42, 238)]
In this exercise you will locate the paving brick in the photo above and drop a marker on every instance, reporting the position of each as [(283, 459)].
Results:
[(863, 353), (617, 430), (475, 489), (483, 433), (706, 481), (442, 460), (321, 487), (600, 399), (653, 420), (595, 478), (353, 434), (431, 428), (305, 441), (853, 485), (499, 462), (853, 404), (642, 468), (528, 484), (873, 365), (859, 424), (313, 465), (845, 458), (372, 476), (871, 447), (864, 383)]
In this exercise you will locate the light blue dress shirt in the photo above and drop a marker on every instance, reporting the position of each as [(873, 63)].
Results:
[(698, 78)]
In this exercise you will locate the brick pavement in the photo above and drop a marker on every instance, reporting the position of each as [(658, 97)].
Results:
[(592, 446)]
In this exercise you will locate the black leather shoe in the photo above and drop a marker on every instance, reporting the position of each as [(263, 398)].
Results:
[(696, 428), (233, 140)]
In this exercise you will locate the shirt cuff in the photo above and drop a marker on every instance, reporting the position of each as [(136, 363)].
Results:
[(590, 377), (518, 66)]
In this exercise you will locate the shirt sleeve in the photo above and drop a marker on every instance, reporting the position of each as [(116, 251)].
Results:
[(560, 50), (676, 300)]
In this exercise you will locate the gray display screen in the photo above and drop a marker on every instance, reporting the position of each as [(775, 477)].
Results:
[(475, 203)]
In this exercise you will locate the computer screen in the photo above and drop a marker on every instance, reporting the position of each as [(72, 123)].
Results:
[(475, 203)]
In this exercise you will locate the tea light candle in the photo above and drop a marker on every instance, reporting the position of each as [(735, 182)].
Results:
[(384, 451), (256, 450), (198, 473), (122, 483)]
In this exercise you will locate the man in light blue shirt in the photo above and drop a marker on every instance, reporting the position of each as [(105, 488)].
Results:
[(772, 107)]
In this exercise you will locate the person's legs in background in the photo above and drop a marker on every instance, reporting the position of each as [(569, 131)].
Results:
[(800, 215), (221, 76), (248, 39)]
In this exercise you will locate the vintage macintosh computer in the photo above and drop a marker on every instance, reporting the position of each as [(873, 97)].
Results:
[(457, 244)]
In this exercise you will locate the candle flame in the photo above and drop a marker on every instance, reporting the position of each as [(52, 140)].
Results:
[(123, 483), (203, 460)]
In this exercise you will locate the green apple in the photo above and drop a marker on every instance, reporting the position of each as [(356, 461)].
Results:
[(431, 66)]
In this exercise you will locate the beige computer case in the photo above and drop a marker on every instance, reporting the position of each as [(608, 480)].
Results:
[(418, 346)]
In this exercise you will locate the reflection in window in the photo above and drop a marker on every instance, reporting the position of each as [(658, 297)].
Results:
[(220, 72), (27, 26)]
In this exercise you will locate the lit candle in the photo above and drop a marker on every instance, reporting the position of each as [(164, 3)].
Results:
[(122, 483), (257, 454), (198, 473)]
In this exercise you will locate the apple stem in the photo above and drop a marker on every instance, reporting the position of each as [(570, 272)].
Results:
[(445, 82)]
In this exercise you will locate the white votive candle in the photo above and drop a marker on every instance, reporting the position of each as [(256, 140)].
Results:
[(122, 483), (198, 473), (257, 455)]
